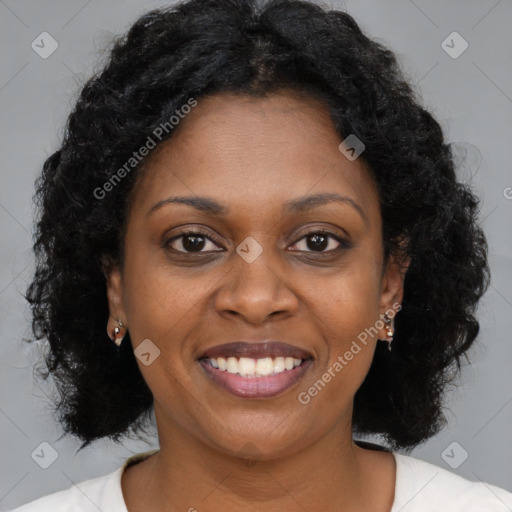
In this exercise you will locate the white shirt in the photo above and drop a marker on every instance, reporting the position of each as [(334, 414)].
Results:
[(420, 487)]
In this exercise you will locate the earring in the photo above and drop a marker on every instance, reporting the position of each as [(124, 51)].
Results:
[(389, 331), (118, 333)]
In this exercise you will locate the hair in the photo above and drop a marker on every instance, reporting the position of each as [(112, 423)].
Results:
[(201, 47)]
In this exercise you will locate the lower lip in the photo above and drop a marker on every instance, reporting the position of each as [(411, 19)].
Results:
[(256, 387)]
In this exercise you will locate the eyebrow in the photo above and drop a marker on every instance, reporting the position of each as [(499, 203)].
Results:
[(212, 207)]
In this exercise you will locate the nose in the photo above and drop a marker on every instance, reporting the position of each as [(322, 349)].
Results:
[(257, 291)]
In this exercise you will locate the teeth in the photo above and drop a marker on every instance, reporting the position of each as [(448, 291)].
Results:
[(279, 364), (232, 365), (265, 366), (248, 367)]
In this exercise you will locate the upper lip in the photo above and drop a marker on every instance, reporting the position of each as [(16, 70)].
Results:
[(256, 349)]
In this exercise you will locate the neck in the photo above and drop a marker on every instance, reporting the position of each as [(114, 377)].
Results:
[(333, 473)]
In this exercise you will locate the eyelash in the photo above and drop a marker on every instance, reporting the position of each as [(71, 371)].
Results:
[(344, 244)]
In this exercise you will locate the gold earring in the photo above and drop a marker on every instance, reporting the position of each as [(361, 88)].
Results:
[(118, 333), (389, 331)]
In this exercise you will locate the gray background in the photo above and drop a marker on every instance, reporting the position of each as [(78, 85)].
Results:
[(470, 95)]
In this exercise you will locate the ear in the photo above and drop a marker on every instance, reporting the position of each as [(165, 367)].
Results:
[(392, 288), (114, 286)]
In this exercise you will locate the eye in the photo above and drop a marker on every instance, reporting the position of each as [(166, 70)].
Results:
[(190, 241), (197, 242), (318, 241)]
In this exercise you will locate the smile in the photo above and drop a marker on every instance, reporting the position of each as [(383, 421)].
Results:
[(255, 378)]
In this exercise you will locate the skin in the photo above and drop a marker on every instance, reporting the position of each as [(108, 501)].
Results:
[(252, 155)]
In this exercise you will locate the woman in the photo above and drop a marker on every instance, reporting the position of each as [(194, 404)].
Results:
[(253, 229)]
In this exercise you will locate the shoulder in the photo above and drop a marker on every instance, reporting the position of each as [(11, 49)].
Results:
[(425, 487), (101, 493)]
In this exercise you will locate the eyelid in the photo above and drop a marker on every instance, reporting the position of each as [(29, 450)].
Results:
[(190, 231), (344, 243)]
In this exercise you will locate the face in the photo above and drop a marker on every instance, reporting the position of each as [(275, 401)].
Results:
[(258, 260)]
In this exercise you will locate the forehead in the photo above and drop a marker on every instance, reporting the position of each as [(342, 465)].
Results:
[(245, 151)]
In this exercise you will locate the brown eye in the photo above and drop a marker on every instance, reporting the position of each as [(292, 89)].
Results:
[(191, 242), (319, 241)]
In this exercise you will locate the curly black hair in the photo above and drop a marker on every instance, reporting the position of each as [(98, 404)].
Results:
[(201, 47)]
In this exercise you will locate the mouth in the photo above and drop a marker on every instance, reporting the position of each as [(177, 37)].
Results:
[(255, 370)]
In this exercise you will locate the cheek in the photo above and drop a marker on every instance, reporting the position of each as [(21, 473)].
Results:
[(162, 308), (165, 304), (348, 301), (347, 308)]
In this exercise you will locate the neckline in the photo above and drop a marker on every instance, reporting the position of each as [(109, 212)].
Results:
[(399, 471)]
